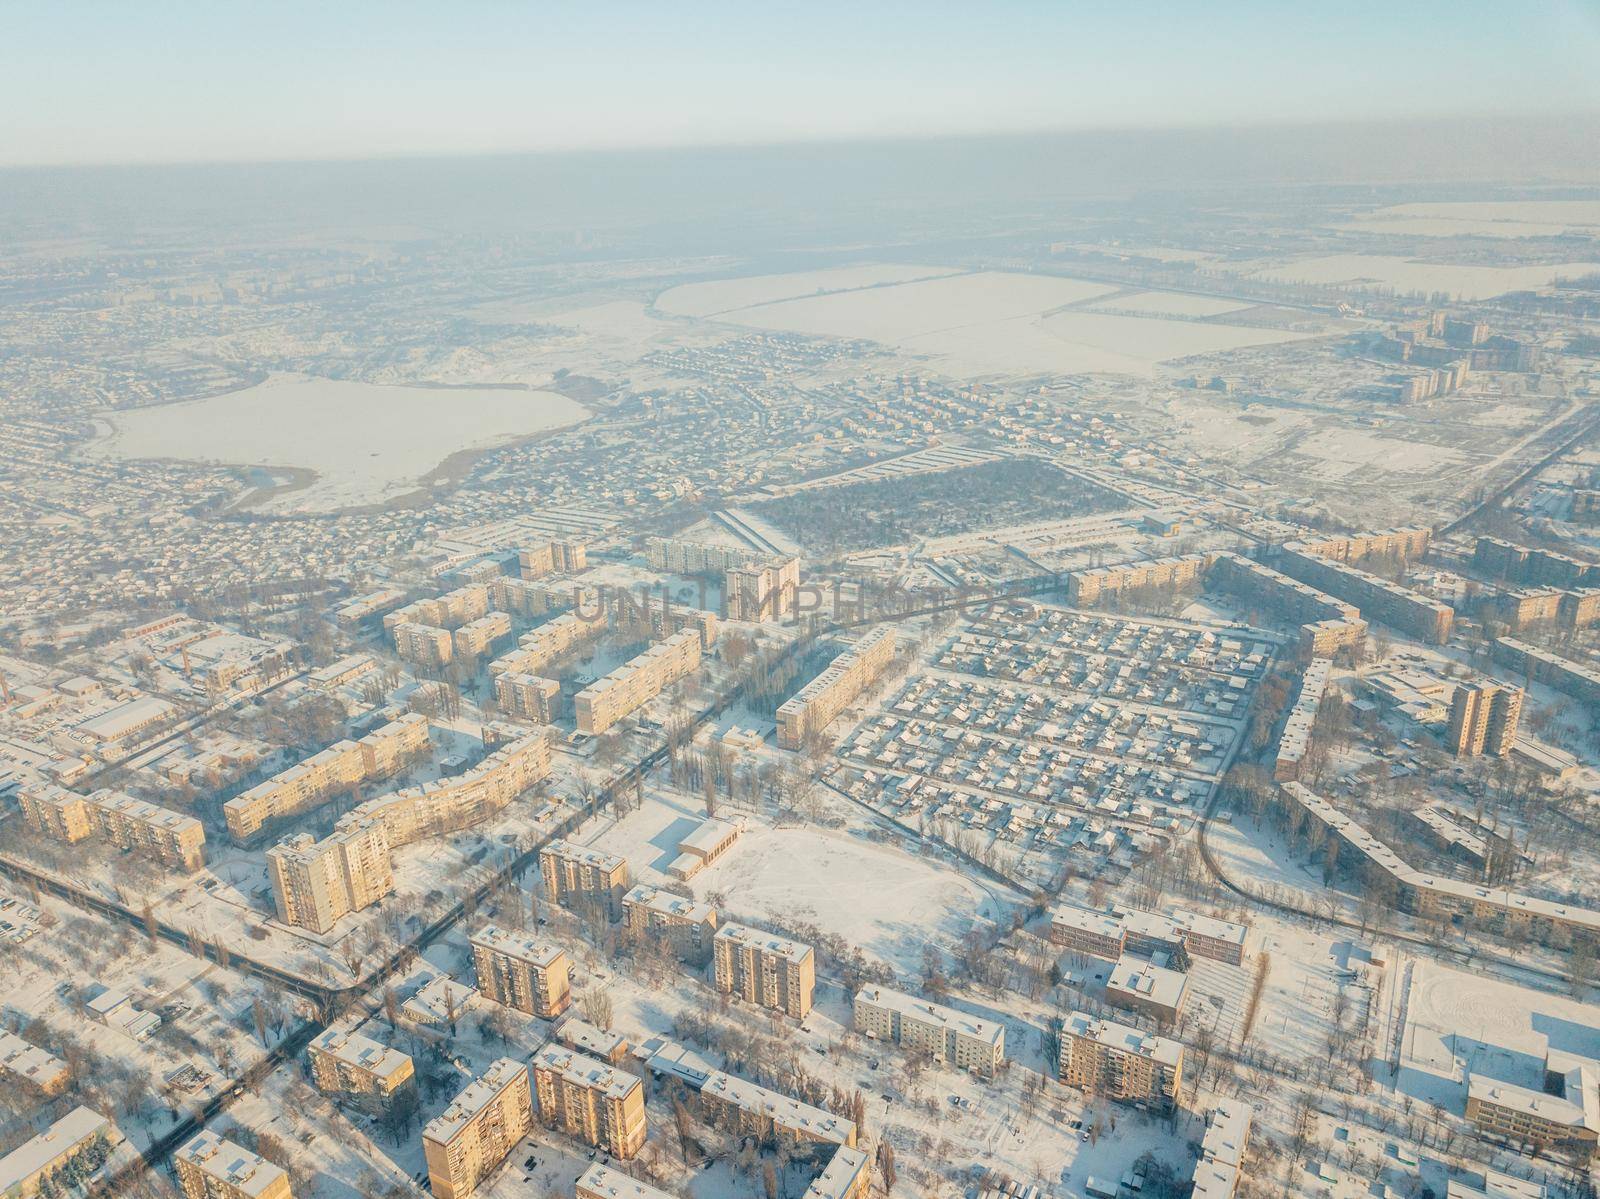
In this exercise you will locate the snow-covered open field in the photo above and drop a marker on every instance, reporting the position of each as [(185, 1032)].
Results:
[(1484, 218), (998, 323), (364, 442)]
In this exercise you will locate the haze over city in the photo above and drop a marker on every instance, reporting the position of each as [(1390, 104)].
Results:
[(693, 602)]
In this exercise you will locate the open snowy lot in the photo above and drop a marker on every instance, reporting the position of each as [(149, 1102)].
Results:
[(1364, 271)]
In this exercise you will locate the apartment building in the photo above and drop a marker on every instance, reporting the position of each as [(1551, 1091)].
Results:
[(338, 769), (1399, 607), (364, 609), (760, 592), (316, 883), (1502, 559), (819, 702), (25, 1065), (522, 598), (636, 682), (575, 875), (602, 1182), (538, 648), (577, 1033), (1576, 679), (27, 1169), (666, 619), (1143, 986), (559, 556), (760, 1112), (1085, 587), (462, 800), (528, 696), (132, 824), (531, 976), (1222, 1150), (424, 644), (210, 1167), (1111, 933), (352, 1066), (848, 1175), (1105, 1058), (589, 1099), (694, 557), (1301, 721), (1483, 719), (1406, 543), (931, 1029), (661, 917), (764, 969), (464, 1143), (1522, 608), (1327, 624), (478, 637)]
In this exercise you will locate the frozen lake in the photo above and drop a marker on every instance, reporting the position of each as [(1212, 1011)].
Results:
[(348, 443)]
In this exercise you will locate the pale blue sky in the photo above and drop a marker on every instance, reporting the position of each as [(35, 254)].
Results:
[(177, 80)]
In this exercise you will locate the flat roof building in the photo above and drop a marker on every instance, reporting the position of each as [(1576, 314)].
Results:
[(349, 1064), (764, 969), (575, 874), (531, 976), (686, 924), (1106, 1058), (939, 1032), (210, 1167), (590, 1099), (465, 1142), (27, 1168)]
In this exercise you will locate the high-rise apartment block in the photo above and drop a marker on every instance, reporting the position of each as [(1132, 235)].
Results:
[(762, 592), (477, 637), (819, 702), (317, 883), (1105, 1058), (472, 1136), (210, 1167), (531, 976), (667, 919), (133, 824), (1483, 719), (575, 875), (589, 1099), (764, 969), (636, 682), (931, 1029), (350, 1065), (560, 556)]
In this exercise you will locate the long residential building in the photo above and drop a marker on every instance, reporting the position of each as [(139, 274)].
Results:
[(1327, 624), (1449, 899), (538, 648), (575, 875), (848, 1175), (355, 1066), (1572, 678), (531, 976), (1117, 931), (1377, 598), (465, 1142), (1105, 1058), (132, 824), (1094, 584), (590, 1099), (687, 925), (931, 1029), (763, 968), (763, 1113), (1533, 567), (636, 682), (695, 557), (28, 1169), (341, 767), (1222, 1150), (819, 702), (447, 611), (1565, 1111), (211, 1167)]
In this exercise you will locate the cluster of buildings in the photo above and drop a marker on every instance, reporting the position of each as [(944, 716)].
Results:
[(819, 702), (336, 770), (316, 883), (1327, 624), (1377, 598), (133, 824), (1525, 606), (1442, 340)]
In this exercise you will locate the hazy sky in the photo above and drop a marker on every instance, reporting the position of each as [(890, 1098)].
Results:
[(225, 79)]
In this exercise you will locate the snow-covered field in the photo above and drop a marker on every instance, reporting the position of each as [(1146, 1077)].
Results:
[(997, 323), (1405, 275), (1171, 303), (723, 295), (364, 442), (1486, 218)]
